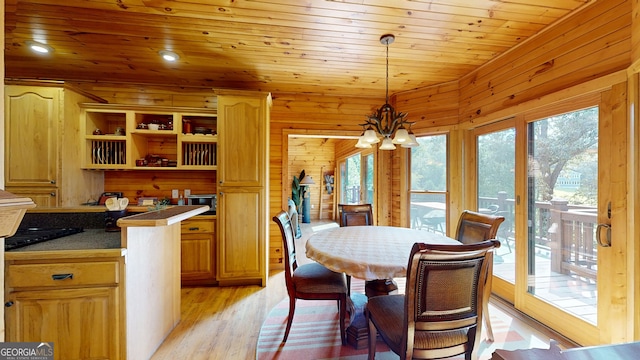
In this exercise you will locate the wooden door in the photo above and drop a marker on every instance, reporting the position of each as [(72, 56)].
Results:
[(242, 126), (241, 234), (32, 117)]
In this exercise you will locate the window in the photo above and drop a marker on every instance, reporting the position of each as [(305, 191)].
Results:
[(428, 191)]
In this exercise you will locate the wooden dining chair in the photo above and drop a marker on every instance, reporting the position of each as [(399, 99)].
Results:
[(475, 227), (355, 215), (440, 314), (310, 281)]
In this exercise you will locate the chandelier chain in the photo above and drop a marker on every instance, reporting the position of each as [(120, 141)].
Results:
[(387, 86), (385, 122)]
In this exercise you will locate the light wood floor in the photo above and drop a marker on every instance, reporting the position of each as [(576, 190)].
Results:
[(224, 322), (221, 322)]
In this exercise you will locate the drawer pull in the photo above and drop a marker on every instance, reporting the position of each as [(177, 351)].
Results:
[(62, 276), (8, 304), (194, 228)]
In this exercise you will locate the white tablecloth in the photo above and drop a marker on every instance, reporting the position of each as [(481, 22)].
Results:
[(369, 252)]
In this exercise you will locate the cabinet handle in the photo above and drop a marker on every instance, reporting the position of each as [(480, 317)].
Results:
[(8, 304), (53, 182), (52, 194), (62, 276), (220, 182), (194, 228)]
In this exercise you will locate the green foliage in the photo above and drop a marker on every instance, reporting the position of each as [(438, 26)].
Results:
[(566, 142), (296, 189), (429, 165)]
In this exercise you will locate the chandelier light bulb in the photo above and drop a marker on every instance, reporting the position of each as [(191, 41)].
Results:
[(413, 142), (402, 136), (362, 144), (387, 144), (370, 136)]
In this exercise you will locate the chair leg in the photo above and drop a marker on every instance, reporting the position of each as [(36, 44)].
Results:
[(485, 301), (342, 316), (487, 321), (473, 342), (292, 309), (372, 338), (348, 285), (373, 334)]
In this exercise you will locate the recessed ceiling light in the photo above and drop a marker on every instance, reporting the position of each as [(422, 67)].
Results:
[(169, 55), (39, 47)]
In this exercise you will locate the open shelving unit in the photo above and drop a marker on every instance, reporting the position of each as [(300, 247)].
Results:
[(116, 136)]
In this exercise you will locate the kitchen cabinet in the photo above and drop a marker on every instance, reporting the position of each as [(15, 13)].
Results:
[(128, 137), (198, 251), (243, 121), (74, 302), (42, 146)]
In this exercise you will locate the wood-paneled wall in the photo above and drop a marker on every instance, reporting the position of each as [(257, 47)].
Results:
[(157, 95), (303, 115), (430, 107), (591, 44), (316, 156), (143, 183), (587, 46)]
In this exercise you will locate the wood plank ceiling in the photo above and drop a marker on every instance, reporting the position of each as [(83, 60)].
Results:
[(281, 46)]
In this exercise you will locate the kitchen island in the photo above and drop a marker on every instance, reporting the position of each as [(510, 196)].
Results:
[(108, 302)]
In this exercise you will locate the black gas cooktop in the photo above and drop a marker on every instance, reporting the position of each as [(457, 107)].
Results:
[(30, 236)]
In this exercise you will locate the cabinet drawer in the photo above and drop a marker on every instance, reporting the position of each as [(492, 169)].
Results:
[(63, 274), (197, 226)]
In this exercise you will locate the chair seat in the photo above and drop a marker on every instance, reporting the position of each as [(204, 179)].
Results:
[(388, 314), (314, 278)]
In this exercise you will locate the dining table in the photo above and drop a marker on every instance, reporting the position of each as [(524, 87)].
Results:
[(376, 254)]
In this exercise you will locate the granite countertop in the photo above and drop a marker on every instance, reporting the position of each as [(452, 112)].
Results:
[(88, 239), (163, 217)]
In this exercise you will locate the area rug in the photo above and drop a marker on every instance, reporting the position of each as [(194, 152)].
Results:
[(315, 334)]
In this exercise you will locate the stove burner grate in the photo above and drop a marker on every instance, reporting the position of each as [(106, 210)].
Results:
[(30, 236)]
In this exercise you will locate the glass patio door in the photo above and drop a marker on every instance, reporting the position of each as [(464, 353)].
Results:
[(562, 210), (541, 171), (496, 182), (357, 179)]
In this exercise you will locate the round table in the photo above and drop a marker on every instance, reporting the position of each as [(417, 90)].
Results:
[(376, 254), (369, 252)]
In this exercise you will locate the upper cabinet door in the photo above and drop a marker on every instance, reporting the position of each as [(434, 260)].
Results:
[(242, 138), (32, 118)]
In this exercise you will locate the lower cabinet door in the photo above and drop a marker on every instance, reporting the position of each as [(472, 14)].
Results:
[(197, 265), (241, 236), (81, 323)]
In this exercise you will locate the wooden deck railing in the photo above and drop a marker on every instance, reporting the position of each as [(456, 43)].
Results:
[(566, 231)]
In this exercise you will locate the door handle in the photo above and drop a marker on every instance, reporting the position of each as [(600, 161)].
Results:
[(606, 242)]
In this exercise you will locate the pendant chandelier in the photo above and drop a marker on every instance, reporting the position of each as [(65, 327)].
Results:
[(386, 123)]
